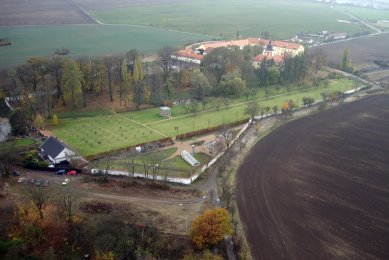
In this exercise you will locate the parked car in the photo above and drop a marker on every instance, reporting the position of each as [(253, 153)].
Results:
[(45, 182), (72, 173), (22, 179), (60, 172), (16, 173), (38, 182), (66, 181), (31, 181)]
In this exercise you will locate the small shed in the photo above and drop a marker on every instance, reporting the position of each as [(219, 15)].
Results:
[(165, 111)]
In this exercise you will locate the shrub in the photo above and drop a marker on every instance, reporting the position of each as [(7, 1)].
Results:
[(210, 228)]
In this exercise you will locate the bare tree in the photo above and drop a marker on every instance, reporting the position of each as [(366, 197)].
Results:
[(318, 59), (227, 134), (8, 158), (109, 65), (227, 193), (104, 165), (151, 164), (166, 61), (130, 166), (146, 167), (39, 196), (69, 199)]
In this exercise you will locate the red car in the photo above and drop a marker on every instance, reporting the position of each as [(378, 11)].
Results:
[(72, 173)]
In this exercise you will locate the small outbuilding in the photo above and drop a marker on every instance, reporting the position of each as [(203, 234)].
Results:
[(189, 158), (165, 111), (55, 150)]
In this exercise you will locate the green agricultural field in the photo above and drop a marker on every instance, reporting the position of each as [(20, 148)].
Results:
[(283, 19), (367, 14), (86, 40), (93, 135)]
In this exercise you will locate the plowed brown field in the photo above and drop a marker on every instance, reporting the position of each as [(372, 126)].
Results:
[(318, 187)]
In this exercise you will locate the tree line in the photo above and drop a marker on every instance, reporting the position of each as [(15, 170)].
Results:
[(42, 84)]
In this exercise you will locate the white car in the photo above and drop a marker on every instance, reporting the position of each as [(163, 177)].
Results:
[(20, 180), (66, 181)]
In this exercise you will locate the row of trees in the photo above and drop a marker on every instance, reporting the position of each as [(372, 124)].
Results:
[(43, 82)]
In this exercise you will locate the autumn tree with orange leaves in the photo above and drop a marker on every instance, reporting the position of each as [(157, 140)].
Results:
[(285, 109), (210, 228)]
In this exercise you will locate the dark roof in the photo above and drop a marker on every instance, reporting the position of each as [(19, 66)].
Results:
[(269, 47), (53, 147)]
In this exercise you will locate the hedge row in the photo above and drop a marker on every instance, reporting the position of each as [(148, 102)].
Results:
[(210, 129), (111, 152), (35, 165)]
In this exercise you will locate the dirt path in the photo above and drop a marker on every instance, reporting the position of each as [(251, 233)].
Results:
[(313, 188), (148, 200)]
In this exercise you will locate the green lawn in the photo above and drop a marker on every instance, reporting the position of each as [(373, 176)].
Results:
[(236, 111), (94, 135), (102, 133), (367, 14), (84, 112), (86, 40), (157, 156), (174, 167), (281, 18), (18, 144)]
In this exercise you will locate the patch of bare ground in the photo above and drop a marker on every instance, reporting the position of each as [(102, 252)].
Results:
[(363, 52), (41, 12), (171, 209), (318, 187), (381, 76)]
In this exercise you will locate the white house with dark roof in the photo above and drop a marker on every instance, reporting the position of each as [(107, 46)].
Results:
[(55, 150)]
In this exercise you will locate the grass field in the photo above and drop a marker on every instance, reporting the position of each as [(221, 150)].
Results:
[(174, 167), (367, 14), (92, 135), (18, 144), (86, 40), (281, 18)]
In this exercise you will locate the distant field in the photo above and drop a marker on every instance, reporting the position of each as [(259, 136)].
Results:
[(86, 40), (363, 52), (22, 12), (367, 14), (281, 18), (93, 135)]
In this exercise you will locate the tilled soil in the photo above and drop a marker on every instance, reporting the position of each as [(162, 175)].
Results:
[(41, 12), (318, 187)]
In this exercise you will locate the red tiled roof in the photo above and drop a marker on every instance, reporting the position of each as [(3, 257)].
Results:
[(285, 45), (189, 54), (276, 58), (254, 40), (239, 43)]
